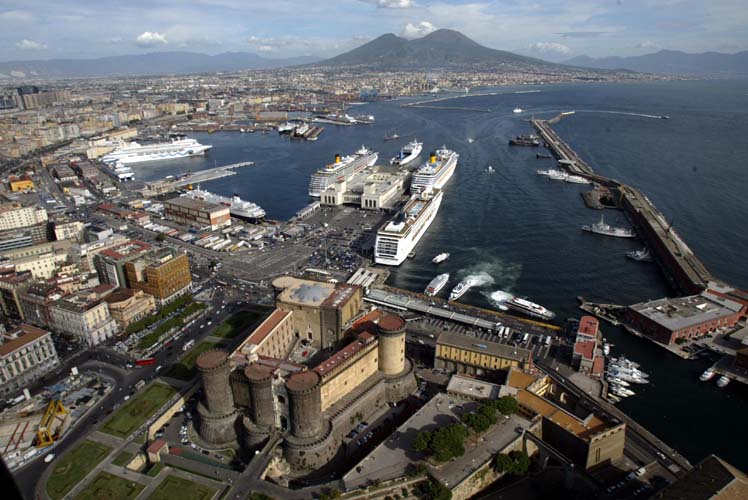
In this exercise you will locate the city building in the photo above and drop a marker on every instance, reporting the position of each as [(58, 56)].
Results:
[(35, 303), (710, 479), (588, 439), (163, 273), (84, 317), (671, 320), (68, 230), (322, 311), (193, 212), (11, 285), (26, 354), (15, 216), (127, 306), (110, 262), (587, 356), (375, 188), (20, 184), (273, 338), (478, 356)]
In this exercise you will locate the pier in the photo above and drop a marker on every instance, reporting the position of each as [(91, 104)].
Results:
[(685, 272), (161, 186)]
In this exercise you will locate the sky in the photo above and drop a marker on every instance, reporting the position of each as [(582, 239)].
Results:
[(555, 30)]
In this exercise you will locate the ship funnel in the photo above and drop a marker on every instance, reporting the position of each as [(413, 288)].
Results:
[(432, 158), (337, 158)]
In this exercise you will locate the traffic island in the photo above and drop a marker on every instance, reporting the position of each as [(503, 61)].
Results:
[(74, 466), (138, 410), (107, 485)]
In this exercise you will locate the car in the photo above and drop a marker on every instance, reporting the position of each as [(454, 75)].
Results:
[(49, 458), (193, 446), (126, 397), (185, 441)]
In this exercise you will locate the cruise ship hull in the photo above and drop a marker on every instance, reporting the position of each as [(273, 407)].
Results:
[(238, 208), (403, 245), (425, 181), (322, 179), (144, 154)]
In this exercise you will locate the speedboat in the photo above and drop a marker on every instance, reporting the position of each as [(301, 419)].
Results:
[(461, 289), (440, 258), (622, 391), (618, 381), (517, 110), (470, 140), (722, 381), (708, 374)]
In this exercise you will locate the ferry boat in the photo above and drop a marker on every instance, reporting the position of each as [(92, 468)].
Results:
[(407, 154), (341, 168), (440, 258), (722, 381), (642, 255), (553, 173), (461, 289), (140, 153), (396, 239), (708, 374), (529, 308), (237, 207), (435, 172), (606, 230), (119, 171), (436, 285), (286, 128)]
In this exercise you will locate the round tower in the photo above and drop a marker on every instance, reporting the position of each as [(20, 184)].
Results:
[(305, 404), (217, 412), (391, 345), (215, 370), (261, 401)]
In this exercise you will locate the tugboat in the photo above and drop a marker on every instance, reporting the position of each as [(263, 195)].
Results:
[(525, 140)]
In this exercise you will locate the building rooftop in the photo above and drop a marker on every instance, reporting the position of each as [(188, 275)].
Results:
[(711, 479), (304, 292), (197, 204), (263, 330), (483, 346), (588, 326), (302, 381), (340, 295), (26, 334), (472, 388), (344, 354), (126, 250), (585, 349), (684, 312)]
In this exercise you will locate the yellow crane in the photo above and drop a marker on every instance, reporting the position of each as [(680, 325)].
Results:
[(49, 427)]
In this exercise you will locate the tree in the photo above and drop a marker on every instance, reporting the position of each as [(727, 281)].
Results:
[(503, 463), (507, 405), (160, 237), (432, 490), (422, 441), (447, 442), (521, 462)]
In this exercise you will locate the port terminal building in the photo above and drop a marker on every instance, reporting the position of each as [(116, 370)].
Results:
[(374, 188)]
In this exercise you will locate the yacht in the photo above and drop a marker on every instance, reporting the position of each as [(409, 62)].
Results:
[(341, 168), (409, 153), (399, 237), (621, 391), (436, 285), (529, 308), (440, 258), (435, 172), (606, 230), (722, 381), (461, 289), (642, 255), (618, 381), (134, 152), (606, 349), (708, 374), (613, 398)]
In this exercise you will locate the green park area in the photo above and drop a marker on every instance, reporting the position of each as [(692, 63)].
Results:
[(107, 485), (122, 459), (176, 487), (175, 321), (74, 466), (185, 369), (240, 322), (139, 409)]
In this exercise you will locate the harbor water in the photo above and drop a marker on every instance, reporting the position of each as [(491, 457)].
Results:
[(520, 232)]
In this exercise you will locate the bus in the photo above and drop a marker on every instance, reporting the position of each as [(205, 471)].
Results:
[(188, 344), (145, 361)]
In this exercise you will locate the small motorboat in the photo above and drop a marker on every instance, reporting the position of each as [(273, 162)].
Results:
[(707, 375), (722, 381)]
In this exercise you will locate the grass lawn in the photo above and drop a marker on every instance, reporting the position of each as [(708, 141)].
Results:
[(107, 485), (176, 487), (122, 459), (239, 322), (185, 369), (139, 409), (74, 466), (155, 469)]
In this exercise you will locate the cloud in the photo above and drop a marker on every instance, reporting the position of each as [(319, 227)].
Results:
[(647, 44), (150, 39), (16, 15), (391, 4), (265, 48), (30, 45), (418, 30), (582, 34), (550, 48)]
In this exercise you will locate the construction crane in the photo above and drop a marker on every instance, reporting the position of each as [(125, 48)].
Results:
[(49, 427)]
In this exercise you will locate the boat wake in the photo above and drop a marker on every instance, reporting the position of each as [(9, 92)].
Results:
[(480, 279), (498, 299), (617, 113)]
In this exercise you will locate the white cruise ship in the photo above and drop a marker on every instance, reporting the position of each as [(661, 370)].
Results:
[(435, 172), (398, 238), (119, 171), (139, 153), (341, 168), (409, 153), (237, 207)]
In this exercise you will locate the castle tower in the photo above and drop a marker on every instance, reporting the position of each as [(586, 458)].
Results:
[(305, 404), (261, 400), (216, 410), (391, 345)]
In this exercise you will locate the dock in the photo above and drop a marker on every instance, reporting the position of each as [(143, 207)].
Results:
[(161, 186), (685, 272)]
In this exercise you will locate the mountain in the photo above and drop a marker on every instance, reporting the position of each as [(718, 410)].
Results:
[(154, 63), (672, 62), (442, 49)]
